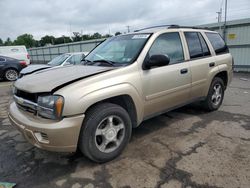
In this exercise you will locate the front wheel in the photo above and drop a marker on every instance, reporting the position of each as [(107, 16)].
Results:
[(105, 132), (215, 95)]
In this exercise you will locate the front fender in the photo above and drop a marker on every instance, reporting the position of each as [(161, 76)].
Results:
[(79, 106)]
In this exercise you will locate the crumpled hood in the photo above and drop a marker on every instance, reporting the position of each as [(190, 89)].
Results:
[(49, 79), (33, 68)]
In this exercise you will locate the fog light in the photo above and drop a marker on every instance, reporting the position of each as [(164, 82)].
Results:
[(42, 137)]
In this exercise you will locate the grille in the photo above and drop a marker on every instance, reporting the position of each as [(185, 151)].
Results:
[(25, 95)]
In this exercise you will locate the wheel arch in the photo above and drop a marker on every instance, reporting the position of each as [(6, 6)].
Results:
[(124, 95), (224, 76), (125, 101)]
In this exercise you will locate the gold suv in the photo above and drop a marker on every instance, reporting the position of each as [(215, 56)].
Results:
[(124, 81)]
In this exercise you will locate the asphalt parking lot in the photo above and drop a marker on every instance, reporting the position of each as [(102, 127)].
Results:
[(183, 148)]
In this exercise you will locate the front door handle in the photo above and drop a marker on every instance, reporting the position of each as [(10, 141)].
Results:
[(184, 71), (212, 64)]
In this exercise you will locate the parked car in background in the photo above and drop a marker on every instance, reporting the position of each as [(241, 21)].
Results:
[(17, 52), (10, 68), (61, 60)]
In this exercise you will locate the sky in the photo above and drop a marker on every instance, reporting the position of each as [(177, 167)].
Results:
[(63, 17)]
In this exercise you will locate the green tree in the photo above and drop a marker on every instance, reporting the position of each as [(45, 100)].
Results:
[(96, 36), (1, 42), (77, 36), (25, 39), (8, 42), (118, 33), (47, 40), (106, 36), (86, 37), (62, 39)]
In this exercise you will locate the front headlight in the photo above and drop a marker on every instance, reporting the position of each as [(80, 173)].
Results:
[(50, 106)]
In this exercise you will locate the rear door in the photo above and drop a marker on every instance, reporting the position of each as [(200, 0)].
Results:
[(201, 63), (167, 86)]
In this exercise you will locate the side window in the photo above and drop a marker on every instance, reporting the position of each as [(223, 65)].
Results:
[(204, 46), (168, 44), (77, 59), (194, 45), (71, 60), (217, 43), (197, 45)]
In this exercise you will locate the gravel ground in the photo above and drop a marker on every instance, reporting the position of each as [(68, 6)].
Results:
[(183, 148)]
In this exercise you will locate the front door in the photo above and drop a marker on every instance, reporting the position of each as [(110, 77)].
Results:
[(167, 86)]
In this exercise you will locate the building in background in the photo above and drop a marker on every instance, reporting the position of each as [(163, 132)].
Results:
[(238, 40)]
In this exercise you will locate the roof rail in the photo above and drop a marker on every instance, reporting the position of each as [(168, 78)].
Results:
[(171, 27), (188, 27), (155, 27)]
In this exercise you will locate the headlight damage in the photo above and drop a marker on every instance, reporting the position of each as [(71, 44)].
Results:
[(50, 106)]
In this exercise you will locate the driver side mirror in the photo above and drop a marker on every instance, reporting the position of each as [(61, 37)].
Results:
[(158, 60)]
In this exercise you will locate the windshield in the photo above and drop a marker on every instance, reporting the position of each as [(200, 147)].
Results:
[(119, 50), (58, 60)]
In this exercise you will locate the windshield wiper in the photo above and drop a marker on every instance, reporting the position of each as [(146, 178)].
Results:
[(105, 61), (88, 62)]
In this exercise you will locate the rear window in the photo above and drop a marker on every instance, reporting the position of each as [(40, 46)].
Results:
[(217, 43)]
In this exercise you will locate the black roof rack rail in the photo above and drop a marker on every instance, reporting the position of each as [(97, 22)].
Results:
[(152, 27)]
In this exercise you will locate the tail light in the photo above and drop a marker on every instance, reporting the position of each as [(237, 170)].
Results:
[(23, 63), (28, 56)]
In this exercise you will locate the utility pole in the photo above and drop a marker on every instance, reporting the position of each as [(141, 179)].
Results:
[(128, 27), (219, 19), (219, 15), (225, 22)]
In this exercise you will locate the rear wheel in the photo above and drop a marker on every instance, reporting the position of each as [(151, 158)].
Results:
[(105, 132), (11, 74), (215, 95)]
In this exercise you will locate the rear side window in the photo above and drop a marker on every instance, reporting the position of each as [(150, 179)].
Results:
[(168, 44), (75, 59), (204, 46), (217, 43), (196, 45)]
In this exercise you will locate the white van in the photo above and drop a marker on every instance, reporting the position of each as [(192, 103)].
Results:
[(18, 52)]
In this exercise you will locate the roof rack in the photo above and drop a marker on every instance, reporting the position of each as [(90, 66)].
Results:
[(188, 27), (152, 27), (171, 27)]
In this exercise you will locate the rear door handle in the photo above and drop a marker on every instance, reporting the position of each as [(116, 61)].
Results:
[(212, 64), (184, 71)]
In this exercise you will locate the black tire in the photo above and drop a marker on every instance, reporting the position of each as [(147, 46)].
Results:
[(94, 118), (209, 104), (8, 77)]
